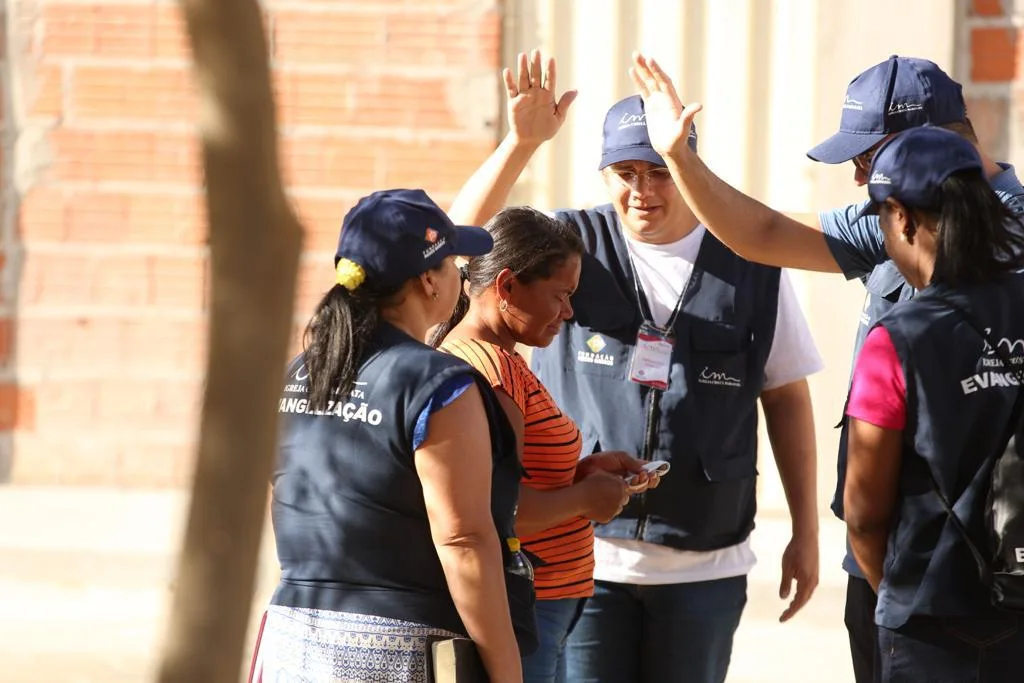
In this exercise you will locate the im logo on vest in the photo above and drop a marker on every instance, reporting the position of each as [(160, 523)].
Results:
[(1000, 558)]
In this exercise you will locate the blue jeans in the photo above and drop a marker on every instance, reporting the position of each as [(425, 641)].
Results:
[(555, 620), (954, 650), (675, 633)]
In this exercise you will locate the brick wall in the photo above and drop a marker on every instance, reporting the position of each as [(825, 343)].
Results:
[(990, 71), (105, 277)]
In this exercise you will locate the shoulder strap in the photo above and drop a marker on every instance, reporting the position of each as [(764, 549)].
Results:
[(1015, 416)]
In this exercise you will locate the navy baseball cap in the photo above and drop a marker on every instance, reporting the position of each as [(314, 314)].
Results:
[(625, 135), (395, 235), (912, 166), (898, 94)]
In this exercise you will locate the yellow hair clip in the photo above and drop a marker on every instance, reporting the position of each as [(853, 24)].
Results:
[(349, 274)]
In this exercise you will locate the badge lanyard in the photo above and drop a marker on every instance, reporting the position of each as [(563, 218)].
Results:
[(652, 354), (652, 357)]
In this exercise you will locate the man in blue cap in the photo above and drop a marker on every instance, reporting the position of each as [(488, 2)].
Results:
[(673, 342), (895, 95)]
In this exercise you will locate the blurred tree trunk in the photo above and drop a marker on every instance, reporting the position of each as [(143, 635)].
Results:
[(255, 241)]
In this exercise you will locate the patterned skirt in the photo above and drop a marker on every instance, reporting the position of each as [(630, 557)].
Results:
[(320, 646)]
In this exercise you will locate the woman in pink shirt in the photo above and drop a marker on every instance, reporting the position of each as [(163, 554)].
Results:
[(929, 407)]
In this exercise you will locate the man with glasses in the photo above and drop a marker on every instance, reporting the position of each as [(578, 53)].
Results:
[(673, 341), (890, 97)]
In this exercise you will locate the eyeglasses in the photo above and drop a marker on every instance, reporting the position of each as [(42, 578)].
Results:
[(863, 161), (631, 178)]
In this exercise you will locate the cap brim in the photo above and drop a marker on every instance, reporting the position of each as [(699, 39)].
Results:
[(842, 147), (471, 241), (638, 153), (870, 209)]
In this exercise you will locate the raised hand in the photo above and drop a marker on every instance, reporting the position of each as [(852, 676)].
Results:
[(533, 114), (668, 120)]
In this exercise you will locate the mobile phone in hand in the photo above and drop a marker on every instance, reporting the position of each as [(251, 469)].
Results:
[(658, 467)]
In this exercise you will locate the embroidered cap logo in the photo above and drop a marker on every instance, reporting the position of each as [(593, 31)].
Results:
[(850, 103)]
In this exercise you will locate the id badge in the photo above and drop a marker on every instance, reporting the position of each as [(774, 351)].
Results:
[(652, 357)]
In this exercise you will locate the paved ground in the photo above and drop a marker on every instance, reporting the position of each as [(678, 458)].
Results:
[(84, 578)]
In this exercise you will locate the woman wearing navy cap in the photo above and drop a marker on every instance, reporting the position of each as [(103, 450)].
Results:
[(929, 406), (396, 484)]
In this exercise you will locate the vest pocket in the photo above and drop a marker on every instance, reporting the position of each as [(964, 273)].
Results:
[(721, 504), (718, 354), (598, 353), (725, 467), (724, 399), (727, 448)]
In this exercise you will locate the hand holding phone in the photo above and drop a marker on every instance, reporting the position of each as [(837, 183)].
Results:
[(655, 467)]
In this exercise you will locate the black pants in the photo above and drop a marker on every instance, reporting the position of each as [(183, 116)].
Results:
[(860, 624), (986, 649)]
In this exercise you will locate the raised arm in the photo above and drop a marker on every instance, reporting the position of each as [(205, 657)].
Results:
[(754, 231), (534, 116), (454, 466), (748, 227)]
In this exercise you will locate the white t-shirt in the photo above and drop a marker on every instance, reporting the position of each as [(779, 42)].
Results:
[(663, 270)]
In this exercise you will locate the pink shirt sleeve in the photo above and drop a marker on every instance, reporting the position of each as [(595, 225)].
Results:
[(878, 393)]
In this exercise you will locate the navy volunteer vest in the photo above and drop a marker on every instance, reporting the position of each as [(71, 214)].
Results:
[(348, 510), (885, 288), (959, 400), (707, 427)]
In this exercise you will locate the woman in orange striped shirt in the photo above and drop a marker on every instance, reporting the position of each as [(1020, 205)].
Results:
[(519, 294)]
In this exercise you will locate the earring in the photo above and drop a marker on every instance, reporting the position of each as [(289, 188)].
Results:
[(903, 237), (434, 296), (503, 306)]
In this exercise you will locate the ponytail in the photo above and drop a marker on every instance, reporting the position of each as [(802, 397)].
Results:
[(336, 339), (978, 238)]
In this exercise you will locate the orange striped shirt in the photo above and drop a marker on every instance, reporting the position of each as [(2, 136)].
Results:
[(551, 448)]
